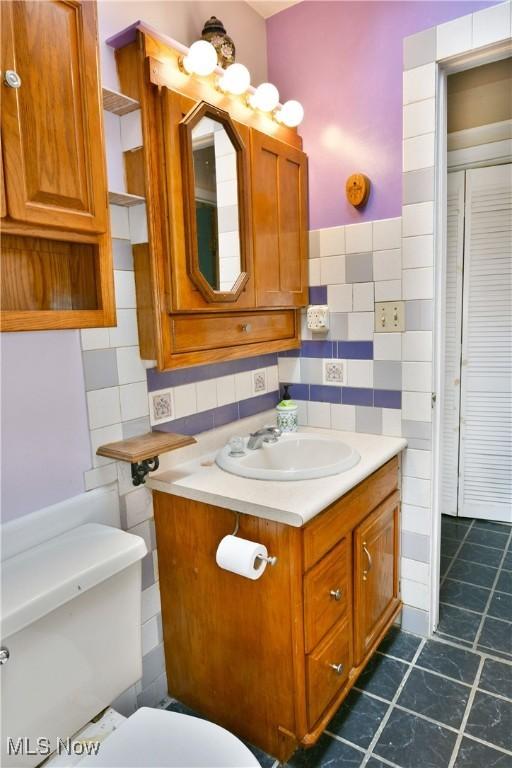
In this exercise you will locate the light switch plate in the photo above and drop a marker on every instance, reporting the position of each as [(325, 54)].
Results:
[(389, 316)]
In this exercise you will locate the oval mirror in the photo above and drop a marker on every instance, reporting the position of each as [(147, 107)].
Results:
[(216, 213)]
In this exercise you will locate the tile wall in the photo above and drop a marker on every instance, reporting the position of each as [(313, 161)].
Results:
[(387, 376)]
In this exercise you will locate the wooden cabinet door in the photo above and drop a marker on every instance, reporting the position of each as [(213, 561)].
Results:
[(279, 190), (376, 592), (52, 123)]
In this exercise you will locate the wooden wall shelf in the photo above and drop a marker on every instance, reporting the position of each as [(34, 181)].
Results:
[(142, 451), (118, 103), (123, 198), (145, 446)]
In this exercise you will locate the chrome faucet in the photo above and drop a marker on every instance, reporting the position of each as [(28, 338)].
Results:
[(265, 435)]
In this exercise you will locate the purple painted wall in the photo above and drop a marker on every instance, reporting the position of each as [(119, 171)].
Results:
[(343, 61), (44, 439)]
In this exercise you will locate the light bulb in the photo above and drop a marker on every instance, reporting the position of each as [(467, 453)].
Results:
[(236, 79), (201, 58), (265, 97), (291, 113)]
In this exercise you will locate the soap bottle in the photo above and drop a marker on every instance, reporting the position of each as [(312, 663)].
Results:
[(287, 420)]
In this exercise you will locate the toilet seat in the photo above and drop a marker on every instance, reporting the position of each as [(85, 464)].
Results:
[(156, 738)]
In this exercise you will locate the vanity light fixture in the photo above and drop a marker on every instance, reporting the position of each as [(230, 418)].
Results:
[(236, 79), (291, 113), (201, 59), (265, 97)]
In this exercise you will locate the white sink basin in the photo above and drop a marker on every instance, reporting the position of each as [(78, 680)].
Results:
[(294, 456)]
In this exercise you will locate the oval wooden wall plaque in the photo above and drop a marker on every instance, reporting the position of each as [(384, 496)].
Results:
[(357, 189)]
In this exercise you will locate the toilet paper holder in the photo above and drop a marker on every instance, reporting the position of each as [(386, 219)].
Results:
[(269, 559)]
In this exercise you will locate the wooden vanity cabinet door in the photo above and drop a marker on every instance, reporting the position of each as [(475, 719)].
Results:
[(376, 590), (279, 192), (52, 124)]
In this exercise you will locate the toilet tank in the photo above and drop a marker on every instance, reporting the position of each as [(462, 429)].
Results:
[(71, 626)]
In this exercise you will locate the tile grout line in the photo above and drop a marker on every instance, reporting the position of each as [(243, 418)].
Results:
[(392, 703), (456, 553), (476, 543), (465, 717), (491, 594)]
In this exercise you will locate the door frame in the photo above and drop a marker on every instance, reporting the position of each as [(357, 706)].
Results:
[(464, 61)]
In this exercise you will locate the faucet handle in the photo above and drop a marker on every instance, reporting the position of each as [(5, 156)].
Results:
[(236, 446)]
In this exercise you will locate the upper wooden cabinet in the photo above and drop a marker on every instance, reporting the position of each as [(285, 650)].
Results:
[(223, 273), (56, 261), (51, 121), (279, 190)]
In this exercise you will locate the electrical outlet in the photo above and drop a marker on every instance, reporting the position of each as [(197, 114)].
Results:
[(389, 316), (318, 318), (334, 372)]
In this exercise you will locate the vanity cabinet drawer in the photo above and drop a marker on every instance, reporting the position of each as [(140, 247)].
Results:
[(192, 332), (332, 524), (326, 589), (327, 670)]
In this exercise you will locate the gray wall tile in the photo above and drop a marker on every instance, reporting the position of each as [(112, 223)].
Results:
[(416, 546), (100, 369), (311, 370), (359, 268), (369, 420), (420, 48), (144, 531), (136, 427), (419, 315), (126, 703), (418, 186), (154, 693), (148, 572), (152, 665), (415, 620), (338, 326), (387, 374), (122, 254)]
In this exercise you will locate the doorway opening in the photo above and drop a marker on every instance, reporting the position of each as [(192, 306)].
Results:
[(475, 431)]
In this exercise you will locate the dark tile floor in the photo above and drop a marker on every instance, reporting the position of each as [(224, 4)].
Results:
[(476, 585), (439, 703)]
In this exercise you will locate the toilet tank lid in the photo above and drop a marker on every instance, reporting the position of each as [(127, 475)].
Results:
[(45, 577)]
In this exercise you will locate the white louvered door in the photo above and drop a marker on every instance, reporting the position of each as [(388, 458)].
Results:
[(485, 460), (452, 341)]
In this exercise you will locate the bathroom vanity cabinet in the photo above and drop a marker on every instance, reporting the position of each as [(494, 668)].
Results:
[(224, 272), (56, 253), (272, 659)]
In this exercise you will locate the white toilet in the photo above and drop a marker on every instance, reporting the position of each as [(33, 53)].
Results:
[(71, 643)]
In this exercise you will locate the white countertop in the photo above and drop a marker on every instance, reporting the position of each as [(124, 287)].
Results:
[(293, 502)]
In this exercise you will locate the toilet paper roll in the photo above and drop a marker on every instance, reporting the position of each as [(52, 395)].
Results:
[(241, 556)]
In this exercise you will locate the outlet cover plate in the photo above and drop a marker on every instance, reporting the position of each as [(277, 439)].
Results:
[(318, 317), (389, 316)]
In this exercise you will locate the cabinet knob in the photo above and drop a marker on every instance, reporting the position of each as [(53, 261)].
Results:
[(12, 79), (336, 594), (4, 655), (338, 668), (246, 327)]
